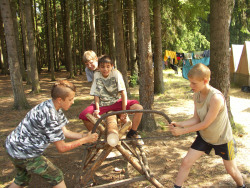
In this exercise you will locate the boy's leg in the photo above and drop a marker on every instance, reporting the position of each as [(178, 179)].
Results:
[(232, 169), (88, 125), (46, 169), (90, 109), (137, 117), (60, 185), (13, 185), (187, 162)]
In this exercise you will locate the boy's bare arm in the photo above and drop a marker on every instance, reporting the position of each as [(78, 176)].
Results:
[(72, 135), (62, 146), (124, 99), (97, 106)]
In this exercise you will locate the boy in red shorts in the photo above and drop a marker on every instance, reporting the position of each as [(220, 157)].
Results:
[(110, 94)]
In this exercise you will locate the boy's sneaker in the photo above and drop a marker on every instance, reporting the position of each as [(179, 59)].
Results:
[(137, 141)]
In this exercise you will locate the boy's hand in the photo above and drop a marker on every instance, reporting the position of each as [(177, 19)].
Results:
[(123, 118), (175, 124), (96, 114), (176, 131), (92, 137)]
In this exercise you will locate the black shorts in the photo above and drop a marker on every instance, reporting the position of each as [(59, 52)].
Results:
[(226, 151)]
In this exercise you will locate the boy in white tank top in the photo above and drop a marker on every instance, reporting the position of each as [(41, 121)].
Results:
[(211, 122)]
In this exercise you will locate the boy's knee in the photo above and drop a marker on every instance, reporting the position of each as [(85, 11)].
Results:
[(137, 107), (186, 162)]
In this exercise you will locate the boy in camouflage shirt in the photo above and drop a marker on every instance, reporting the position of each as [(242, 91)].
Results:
[(44, 124)]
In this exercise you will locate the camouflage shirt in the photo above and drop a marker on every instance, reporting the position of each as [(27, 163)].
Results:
[(41, 126), (108, 89)]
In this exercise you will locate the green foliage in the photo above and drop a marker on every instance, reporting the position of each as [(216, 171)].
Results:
[(240, 22), (182, 26), (133, 80)]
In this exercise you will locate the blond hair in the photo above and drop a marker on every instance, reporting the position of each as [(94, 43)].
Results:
[(200, 71), (88, 56), (61, 89)]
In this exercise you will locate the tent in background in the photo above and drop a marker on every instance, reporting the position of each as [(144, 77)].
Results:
[(236, 51), (242, 74)]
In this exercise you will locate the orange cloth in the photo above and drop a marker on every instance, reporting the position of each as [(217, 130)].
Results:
[(170, 54)]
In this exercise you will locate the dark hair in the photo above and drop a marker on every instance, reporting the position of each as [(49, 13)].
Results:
[(61, 89), (105, 59)]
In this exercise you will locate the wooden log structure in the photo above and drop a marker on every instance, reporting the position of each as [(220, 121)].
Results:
[(113, 136)]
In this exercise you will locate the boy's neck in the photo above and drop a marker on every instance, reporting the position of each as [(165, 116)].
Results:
[(205, 90), (56, 104)]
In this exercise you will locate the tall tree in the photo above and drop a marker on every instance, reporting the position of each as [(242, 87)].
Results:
[(3, 48), (68, 51), (112, 50), (158, 74), (119, 42), (220, 18), (20, 101), (49, 32), (146, 90), (132, 48), (56, 42), (32, 47), (92, 26), (14, 12), (25, 41)]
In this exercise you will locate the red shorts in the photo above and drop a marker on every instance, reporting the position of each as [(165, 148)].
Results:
[(104, 109)]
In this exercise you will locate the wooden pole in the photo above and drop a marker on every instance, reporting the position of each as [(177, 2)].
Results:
[(137, 166)]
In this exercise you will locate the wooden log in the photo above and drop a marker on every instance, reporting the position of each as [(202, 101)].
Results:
[(124, 128), (93, 120), (97, 163), (122, 182), (112, 131), (137, 166)]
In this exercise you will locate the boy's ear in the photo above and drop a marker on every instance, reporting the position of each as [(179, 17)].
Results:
[(206, 81)]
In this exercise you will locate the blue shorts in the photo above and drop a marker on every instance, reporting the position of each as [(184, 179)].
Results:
[(226, 151)]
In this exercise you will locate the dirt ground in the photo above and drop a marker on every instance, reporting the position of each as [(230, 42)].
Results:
[(164, 155)]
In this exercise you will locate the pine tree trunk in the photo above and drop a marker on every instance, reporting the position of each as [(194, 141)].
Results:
[(92, 26), (146, 90), (131, 24), (25, 41), (18, 42), (158, 74), (220, 18), (68, 53), (57, 65), (112, 50), (32, 47), (51, 55), (4, 48), (20, 101), (119, 42)]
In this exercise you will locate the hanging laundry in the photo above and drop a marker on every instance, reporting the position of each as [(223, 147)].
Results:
[(179, 56), (206, 53), (188, 55), (170, 54), (198, 54)]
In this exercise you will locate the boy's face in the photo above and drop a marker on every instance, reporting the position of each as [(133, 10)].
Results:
[(69, 100), (92, 64), (196, 84), (105, 69)]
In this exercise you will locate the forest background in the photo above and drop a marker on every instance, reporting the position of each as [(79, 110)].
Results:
[(50, 36)]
